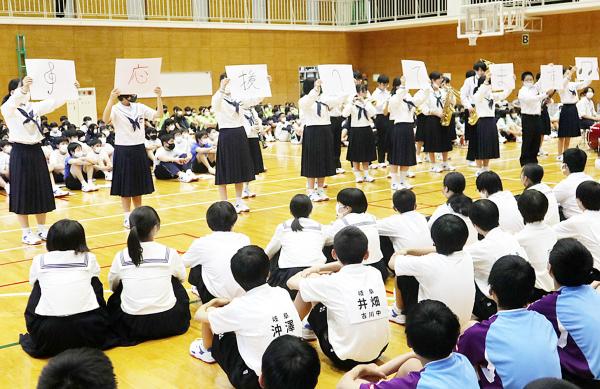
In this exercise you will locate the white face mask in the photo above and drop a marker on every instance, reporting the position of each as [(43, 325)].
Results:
[(589, 95), (214, 135), (528, 84), (78, 154), (171, 127), (97, 150), (55, 132), (62, 149), (87, 123), (514, 115), (178, 140)]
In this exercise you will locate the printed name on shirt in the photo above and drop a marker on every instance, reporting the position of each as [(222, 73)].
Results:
[(366, 305), (282, 324)]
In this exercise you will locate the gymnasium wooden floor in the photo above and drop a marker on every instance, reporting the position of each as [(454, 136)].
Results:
[(166, 363)]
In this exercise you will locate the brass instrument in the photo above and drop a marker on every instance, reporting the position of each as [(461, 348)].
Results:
[(448, 109), (473, 117)]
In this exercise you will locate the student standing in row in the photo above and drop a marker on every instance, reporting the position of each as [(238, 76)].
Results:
[(568, 122), (381, 95), (361, 140), (530, 99), (466, 98)]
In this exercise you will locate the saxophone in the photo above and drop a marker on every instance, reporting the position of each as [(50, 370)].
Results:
[(448, 110), (473, 117)]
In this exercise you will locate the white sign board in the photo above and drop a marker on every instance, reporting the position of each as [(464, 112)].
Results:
[(551, 77), (415, 74), (186, 84), (137, 76), (503, 76), (337, 80), (587, 68), (52, 78), (248, 81)]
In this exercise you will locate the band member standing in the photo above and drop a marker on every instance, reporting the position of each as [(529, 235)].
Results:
[(568, 122)]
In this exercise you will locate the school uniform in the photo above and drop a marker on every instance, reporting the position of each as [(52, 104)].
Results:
[(401, 107), (252, 125), (573, 312), (337, 118), (234, 161), (317, 141), (361, 140), (552, 215), (488, 146), (510, 220), (367, 223), (511, 349), (66, 308), (381, 97), (466, 98), (209, 258), (148, 301), (246, 326), (584, 227), (565, 190), (585, 107), (446, 278), (568, 121), (131, 175), (538, 239), (446, 209), (530, 99), (406, 230), (496, 244), (351, 317), (30, 186), (436, 138), (293, 251), (454, 371), (169, 170)]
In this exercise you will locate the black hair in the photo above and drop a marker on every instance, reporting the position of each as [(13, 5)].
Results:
[(300, 206), (70, 133), (480, 82), (72, 147), (396, 82), (12, 85), (550, 383), (67, 235), (588, 193), (432, 329), (480, 65), (350, 245), (383, 79), (53, 124), (533, 206), (78, 368), (353, 198), (94, 142), (142, 220), (404, 200), (360, 88), (177, 108), (435, 75), (187, 109), (307, 85), (470, 73), (460, 203), (165, 138), (357, 75), (167, 123), (490, 182), (587, 89), (534, 172), (222, 76), (86, 118), (572, 264), (484, 214), (4, 143), (538, 75), (291, 363), (61, 139), (221, 216), (455, 182), (449, 234), (512, 280), (200, 134), (575, 159), (250, 267), (525, 74)]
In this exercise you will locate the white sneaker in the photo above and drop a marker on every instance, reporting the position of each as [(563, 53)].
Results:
[(307, 332), (198, 351), (59, 192), (43, 235), (436, 169), (478, 172), (247, 194), (419, 160), (426, 159), (396, 317), (472, 164), (339, 171), (359, 180), (241, 207), (559, 158), (383, 164), (374, 166), (447, 167), (185, 178), (314, 197), (389, 175), (7, 189), (405, 185), (394, 187), (501, 139), (108, 176), (410, 174), (322, 195), (126, 223), (369, 179), (31, 239), (86, 188)]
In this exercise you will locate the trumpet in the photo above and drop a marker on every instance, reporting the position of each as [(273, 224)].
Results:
[(473, 117), (448, 110)]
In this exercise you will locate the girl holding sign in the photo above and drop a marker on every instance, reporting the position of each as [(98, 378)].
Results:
[(568, 122), (30, 185), (131, 172)]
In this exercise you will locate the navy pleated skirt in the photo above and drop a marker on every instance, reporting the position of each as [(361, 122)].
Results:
[(488, 146), (402, 145), (30, 185), (436, 138), (131, 172), (568, 122), (234, 160), (546, 123), (256, 153), (420, 133), (317, 152), (361, 145)]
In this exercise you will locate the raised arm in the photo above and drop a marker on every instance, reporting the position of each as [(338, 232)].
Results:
[(112, 100)]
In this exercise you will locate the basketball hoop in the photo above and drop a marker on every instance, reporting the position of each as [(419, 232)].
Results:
[(472, 37)]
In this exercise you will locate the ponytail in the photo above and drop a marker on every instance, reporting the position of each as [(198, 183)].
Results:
[(594, 275), (300, 206), (296, 226), (12, 85), (142, 220), (134, 247)]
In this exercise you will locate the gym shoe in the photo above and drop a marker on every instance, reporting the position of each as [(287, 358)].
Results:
[(322, 195), (374, 166), (472, 164), (405, 185), (59, 192), (43, 235), (447, 167), (559, 158), (394, 187), (108, 176), (184, 177), (396, 317), (307, 332), (436, 169), (31, 239), (369, 179), (241, 207), (410, 174), (419, 160), (360, 180), (126, 223), (383, 165), (198, 351), (339, 171), (314, 197), (247, 194)]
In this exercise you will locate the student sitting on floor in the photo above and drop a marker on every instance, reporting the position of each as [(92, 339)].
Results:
[(296, 245), (204, 154), (148, 300), (350, 318), (585, 227), (515, 346), (209, 257), (57, 158), (573, 166), (496, 243), (66, 308), (291, 363), (446, 275), (489, 186), (79, 170), (102, 163), (152, 143), (537, 239), (531, 178), (78, 368), (170, 164), (432, 330), (236, 333), (573, 312), (351, 210)]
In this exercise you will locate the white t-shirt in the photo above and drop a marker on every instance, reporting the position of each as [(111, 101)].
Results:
[(214, 252), (538, 239), (147, 288), (552, 217), (565, 190), (125, 132), (446, 278), (446, 209), (367, 223), (259, 316), (584, 227), (162, 153), (357, 313), (510, 217), (57, 158), (298, 248), (65, 282), (406, 230), (497, 243)]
